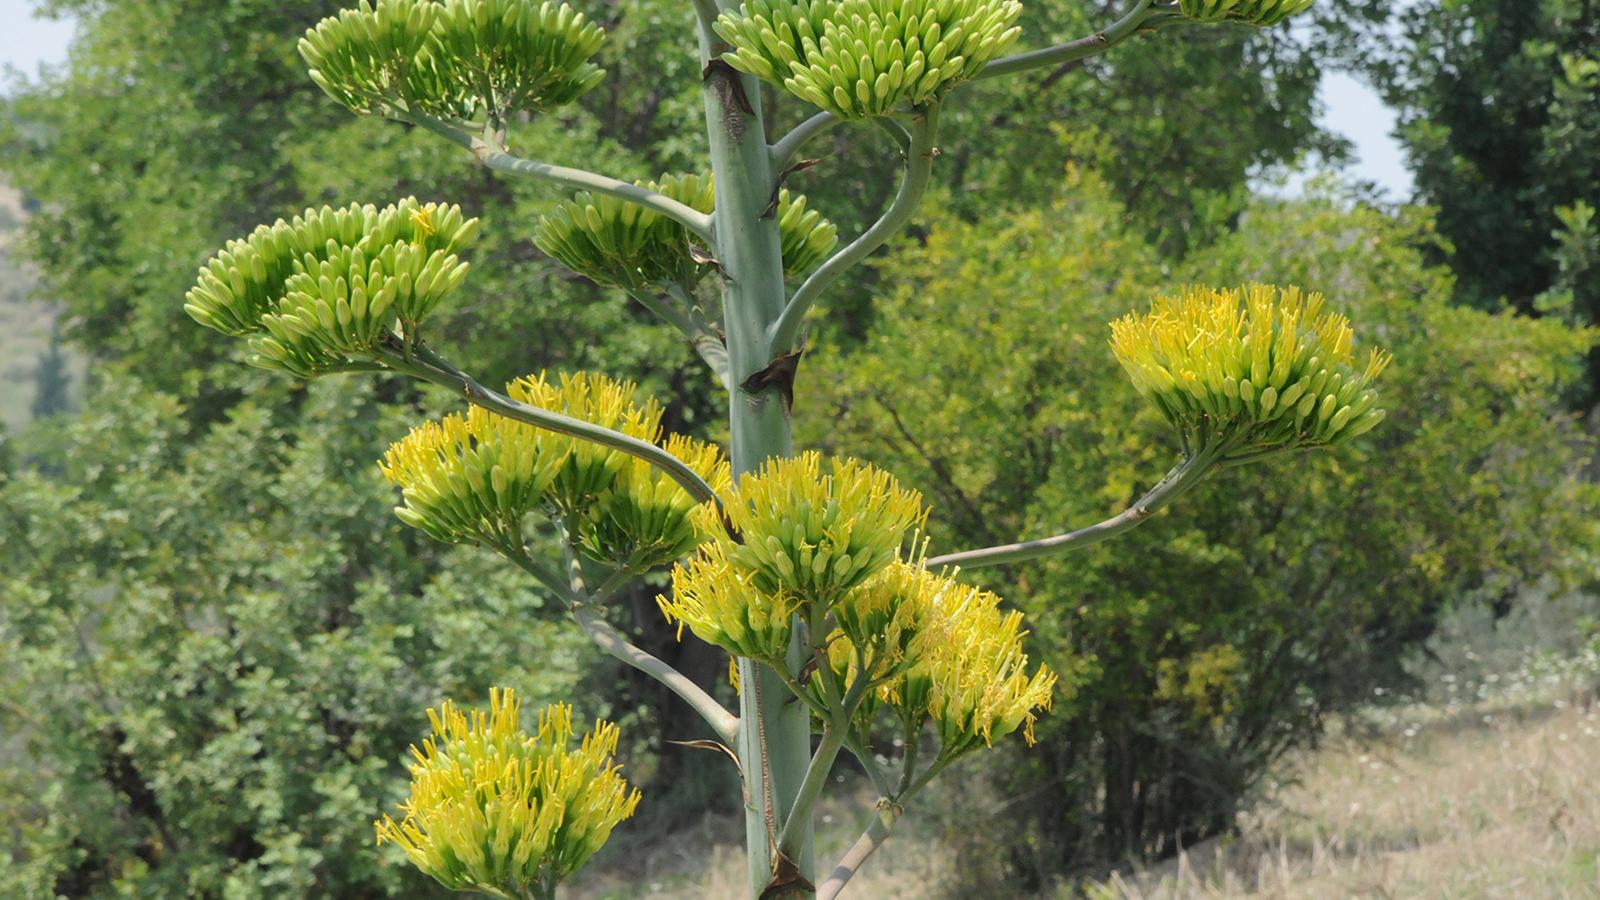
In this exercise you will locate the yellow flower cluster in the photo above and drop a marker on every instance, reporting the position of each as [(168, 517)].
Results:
[(473, 477), (800, 539), (940, 651), (496, 810), (645, 518), (720, 605), (1250, 372)]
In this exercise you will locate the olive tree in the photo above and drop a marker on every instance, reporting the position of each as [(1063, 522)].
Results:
[(813, 574)]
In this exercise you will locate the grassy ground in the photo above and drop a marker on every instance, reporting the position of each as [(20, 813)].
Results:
[(1494, 804), (1484, 791)]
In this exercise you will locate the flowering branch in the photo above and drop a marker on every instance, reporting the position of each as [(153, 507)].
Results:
[(1182, 477), (430, 367), (498, 159), (919, 168), (1095, 44)]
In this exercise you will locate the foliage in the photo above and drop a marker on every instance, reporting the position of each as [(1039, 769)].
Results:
[(1500, 114), (212, 642), (1224, 633), (52, 380)]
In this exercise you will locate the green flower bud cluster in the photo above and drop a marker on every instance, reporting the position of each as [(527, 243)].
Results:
[(495, 810), (862, 58), (331, 284), (457, 59), (1247, 373), (473, 477), (620, 244), (1251, 12), (615, 243), (938, 651), (800, 539)]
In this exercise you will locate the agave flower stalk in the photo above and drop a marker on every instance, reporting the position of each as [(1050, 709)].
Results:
[(811, 574)]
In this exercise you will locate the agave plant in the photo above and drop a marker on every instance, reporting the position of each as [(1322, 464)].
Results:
[(811, 573)]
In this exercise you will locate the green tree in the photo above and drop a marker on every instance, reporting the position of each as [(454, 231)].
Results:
[(211, 645), (51, 380), (1500, 111), (1224, 633)]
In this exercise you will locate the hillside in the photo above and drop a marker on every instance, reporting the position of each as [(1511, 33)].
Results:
[(25, 323)]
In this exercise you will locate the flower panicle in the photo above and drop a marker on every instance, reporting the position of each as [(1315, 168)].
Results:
[(457, 59), (330, 285), (617, 243), (811, 533), (494, 809), (945, 653), (865, 58), (473, 476), (1248, 372)]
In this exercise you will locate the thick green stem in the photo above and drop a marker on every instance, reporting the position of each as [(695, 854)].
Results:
[(775, 735)]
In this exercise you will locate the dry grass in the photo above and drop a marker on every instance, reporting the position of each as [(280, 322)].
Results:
[(680, 868), (1495, 805)]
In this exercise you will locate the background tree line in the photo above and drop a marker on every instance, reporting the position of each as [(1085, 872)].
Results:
[(214, 639)]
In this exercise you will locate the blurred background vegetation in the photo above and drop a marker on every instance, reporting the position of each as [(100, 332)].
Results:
[(216, 642)]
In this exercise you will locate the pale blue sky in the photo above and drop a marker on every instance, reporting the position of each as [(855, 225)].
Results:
[(1351, 107)]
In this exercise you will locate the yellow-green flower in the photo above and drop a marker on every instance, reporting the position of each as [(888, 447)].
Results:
[(720, 605), (495, 810), (1250, 12), (860, 58), (646, 519), (798, 530), (1250, 372), (590, 469), (473, 477), (945, 653)]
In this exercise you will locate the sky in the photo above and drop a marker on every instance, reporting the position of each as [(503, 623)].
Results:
[(1351, 108)]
